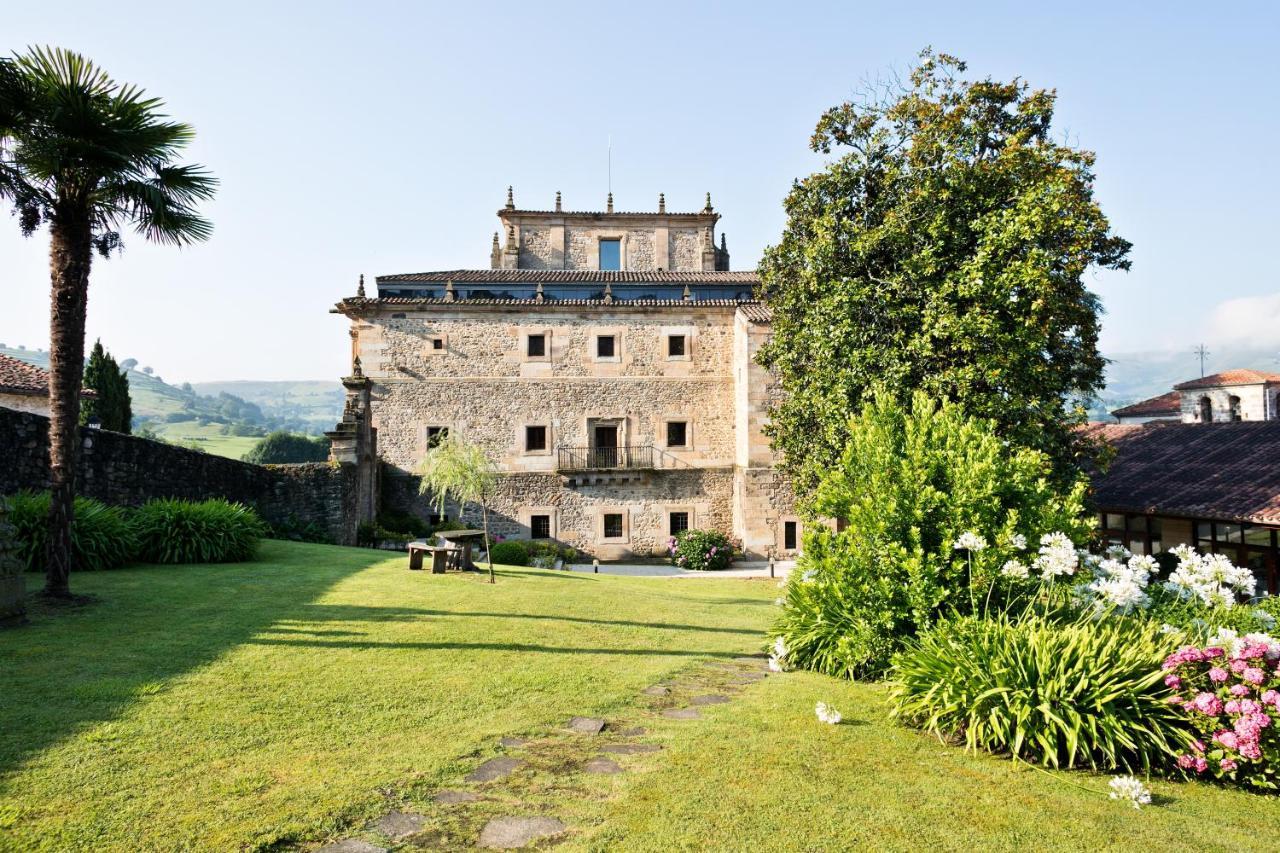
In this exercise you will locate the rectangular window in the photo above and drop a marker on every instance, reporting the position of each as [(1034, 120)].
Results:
[(437, 343), (677, 434), (679, 522), (611, 254), (613, 525), (606, 346), (435, 435), (1259, 536), (535, 438), (537, 346), (790, 535), (675, 346), (540, 526), (1114, 521)]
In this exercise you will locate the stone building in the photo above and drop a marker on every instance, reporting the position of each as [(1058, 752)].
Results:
[(605, 362), (25, 387), (1232, 395)]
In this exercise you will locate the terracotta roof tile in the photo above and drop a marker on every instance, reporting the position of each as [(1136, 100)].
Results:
[(1229, 377), (572, 276), (757, 312), (1165, 404), (19, 377), (532, 305), (1221, 471)]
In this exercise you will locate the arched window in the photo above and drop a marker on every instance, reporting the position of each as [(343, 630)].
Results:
[(1206, 410), (1235, 407)]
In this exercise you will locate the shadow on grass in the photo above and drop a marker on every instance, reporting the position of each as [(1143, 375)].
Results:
[(499, 647), (358, 613), (67, 671)]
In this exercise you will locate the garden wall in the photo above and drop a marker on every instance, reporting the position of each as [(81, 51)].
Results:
[(125, 470)]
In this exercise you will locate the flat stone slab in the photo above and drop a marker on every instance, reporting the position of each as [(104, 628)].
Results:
[(636, 731), (749, 678), (709, 699), (630, 748), (351, 845), (397, 825), (656, 690), (495, 768), (450, 798), (682, 713), (512, 742), (602, 765), (586, 725), (510, 833)]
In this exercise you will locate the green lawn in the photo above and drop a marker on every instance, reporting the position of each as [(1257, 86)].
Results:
[(208, 438), (290, 700)]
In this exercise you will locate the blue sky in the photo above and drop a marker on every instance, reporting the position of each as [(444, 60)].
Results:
[(380, 138)]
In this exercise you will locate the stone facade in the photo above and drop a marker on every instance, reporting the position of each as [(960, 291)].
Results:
[(1229, 403), (37, 404), (125, 470)]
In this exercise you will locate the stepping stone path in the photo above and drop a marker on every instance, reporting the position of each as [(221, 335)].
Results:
[(682, 713), (586, 725), (512, 742), (656, 690), (602, 765), (449, 798), (351, 845), (509, 833), (630, 748), (397, 825), (634, 732), (709, 699), (495, 768)]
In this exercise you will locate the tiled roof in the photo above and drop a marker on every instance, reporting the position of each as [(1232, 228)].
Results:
[(1229, 377), (757, 312), (1221, 471), (550, 304), (572, 277), (693, 215), (1165, 404), (19, 377)]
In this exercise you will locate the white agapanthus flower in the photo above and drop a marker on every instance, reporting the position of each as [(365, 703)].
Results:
[(1130, 790), (1121, 584), (778, 660), (1166, 628), (775, 665), (1018, 542), (827, 714), (1057, 557), (1212, 578), (1014, 569), (1232, 643), (969, 541)]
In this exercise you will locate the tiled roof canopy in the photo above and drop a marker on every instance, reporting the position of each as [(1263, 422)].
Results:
[(1229, 377), (1223, 471), (18, 377), (519, 276), (1165, 404)]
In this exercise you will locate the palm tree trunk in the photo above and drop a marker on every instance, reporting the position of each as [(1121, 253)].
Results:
[(70, 256)]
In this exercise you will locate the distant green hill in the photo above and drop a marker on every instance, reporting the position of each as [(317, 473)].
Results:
[(315, 402)]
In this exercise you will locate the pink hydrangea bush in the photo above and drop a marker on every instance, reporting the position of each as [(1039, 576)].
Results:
[(1230, 692)]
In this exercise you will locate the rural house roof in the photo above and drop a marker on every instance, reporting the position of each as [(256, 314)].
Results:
[(1229, 377), (1165, 404), (522, 276), (20, 377), (1223, 471)]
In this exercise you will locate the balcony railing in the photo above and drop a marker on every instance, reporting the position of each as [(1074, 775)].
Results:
[(630, 457)]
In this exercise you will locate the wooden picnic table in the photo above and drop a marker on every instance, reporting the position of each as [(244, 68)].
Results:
[(465, 538)]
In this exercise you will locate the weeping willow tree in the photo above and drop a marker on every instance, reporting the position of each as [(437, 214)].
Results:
[(461, 471)]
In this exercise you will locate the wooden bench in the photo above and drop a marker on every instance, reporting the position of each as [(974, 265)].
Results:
[(443, 557)]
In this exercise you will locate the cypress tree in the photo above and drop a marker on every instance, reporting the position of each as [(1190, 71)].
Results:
[(112, 406)]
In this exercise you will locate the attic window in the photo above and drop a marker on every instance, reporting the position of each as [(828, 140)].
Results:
[(437, 343), (605, 346)]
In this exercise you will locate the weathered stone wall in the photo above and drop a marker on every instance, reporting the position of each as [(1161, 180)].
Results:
[(646, 502), (12, 606), (686, 249), (125, 470), (1253, 402), (572, 240), (25, 403), (535, 248), (763, 501), (639, 249)]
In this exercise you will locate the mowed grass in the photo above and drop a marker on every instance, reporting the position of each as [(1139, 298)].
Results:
[(290, 700), (227, 706), (208, 438)]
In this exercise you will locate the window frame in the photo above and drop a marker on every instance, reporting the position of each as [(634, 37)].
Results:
[(617, 242), (666, 437), (546, 439), (430, 431), (602, 526), (533, 525)]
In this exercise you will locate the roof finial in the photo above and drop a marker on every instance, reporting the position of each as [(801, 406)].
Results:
[(707, 209), (608, 292), (511, 199), (448, 291), (557, 201), (688, 295), (723, 247), (609, 208), (360, 287), (539, 295), (662, 202)]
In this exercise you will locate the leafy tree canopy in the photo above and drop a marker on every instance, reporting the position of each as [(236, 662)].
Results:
[(111, 405), (945, 250), (280, 448)]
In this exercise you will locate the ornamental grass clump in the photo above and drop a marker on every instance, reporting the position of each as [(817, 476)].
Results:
[(101, 535), (171, 530), (1086, 692), (1229, 694)]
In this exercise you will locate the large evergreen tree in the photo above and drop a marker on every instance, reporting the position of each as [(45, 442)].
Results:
[(110, 404), (88, 157), (944, 251)]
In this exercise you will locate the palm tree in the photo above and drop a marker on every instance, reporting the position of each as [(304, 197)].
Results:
[(86, 156)]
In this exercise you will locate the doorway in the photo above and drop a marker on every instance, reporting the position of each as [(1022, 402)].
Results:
[(604, 445)]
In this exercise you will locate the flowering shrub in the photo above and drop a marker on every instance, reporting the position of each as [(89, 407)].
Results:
[(1229, 693), (700, 550)]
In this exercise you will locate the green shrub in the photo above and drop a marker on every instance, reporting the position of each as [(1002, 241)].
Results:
[(211, 531), (509, 554), (700, 550), (1087, 692), (282, 447), (403, 522), (910, 483), (101, 536), (294, 529)]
